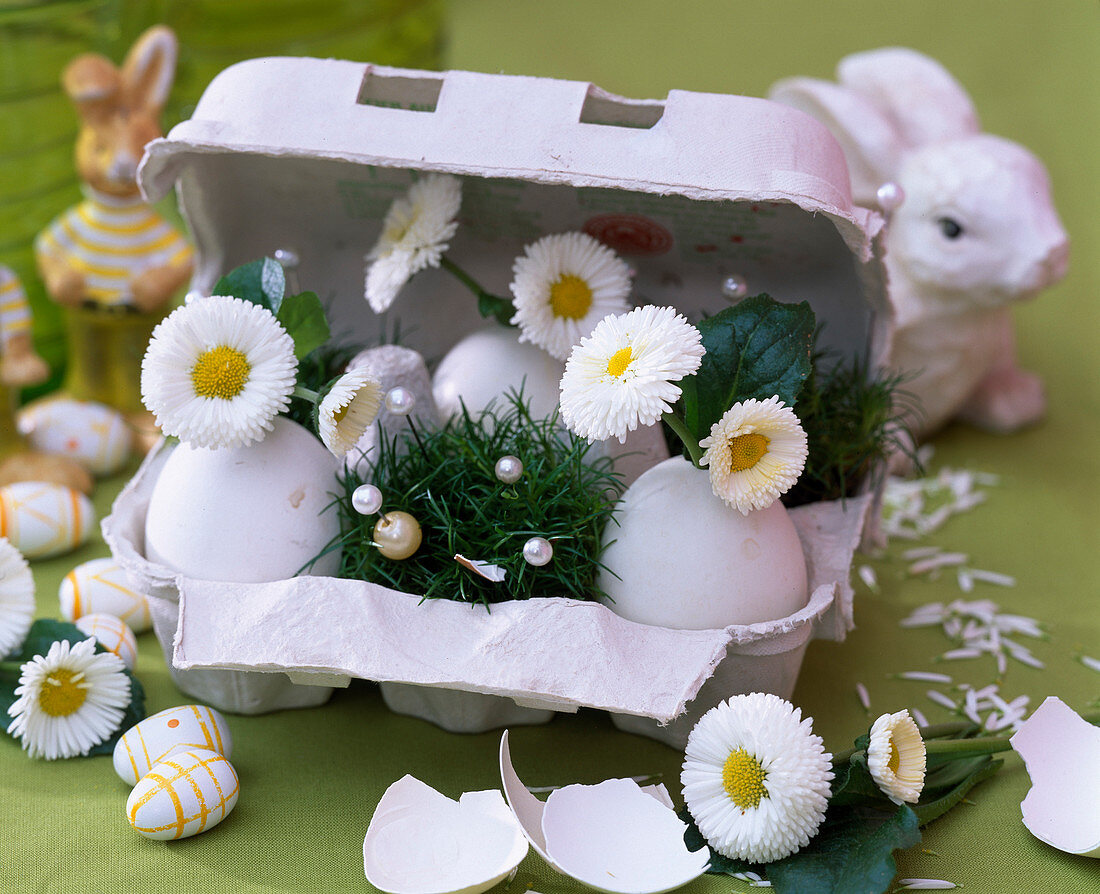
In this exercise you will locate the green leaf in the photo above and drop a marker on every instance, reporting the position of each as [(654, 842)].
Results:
[(852, 853), (755, 349), (941, 800), (303, 317), (43, 634), (719, 864), (500, 309), (853, 784), (262, 282)]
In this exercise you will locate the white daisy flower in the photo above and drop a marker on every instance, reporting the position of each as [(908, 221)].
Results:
[(69, 701), (756, 778), (348, 409), (896, 757), (621, 375), (218, 371), (564, 285), (755, 453), (415, 233), (16, 598)]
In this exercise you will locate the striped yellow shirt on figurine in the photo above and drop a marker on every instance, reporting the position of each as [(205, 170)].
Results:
[(113, 250), (19, 363)]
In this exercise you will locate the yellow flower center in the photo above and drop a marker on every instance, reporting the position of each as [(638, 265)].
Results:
[(570, 297), (619, 361), (61, 693), (339, 414), (743, 779), (894, 763), (220, 372), (747, 450)]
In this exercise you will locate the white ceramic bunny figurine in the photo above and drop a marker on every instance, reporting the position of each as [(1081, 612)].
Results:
[(975, 231)]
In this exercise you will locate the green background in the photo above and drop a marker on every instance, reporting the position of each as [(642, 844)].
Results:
[(310, 779)]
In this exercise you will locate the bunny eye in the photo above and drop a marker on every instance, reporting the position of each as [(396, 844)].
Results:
[(950, 227)]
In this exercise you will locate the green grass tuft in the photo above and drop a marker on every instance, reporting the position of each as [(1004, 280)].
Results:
[(445, 479)]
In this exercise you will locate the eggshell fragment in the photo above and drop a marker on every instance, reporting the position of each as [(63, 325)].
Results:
[(184, 793), (145, 743), (421, 842), (42, 519), (101, 586), (94, 435), (614, 837), (111, 633), (1062, 754)]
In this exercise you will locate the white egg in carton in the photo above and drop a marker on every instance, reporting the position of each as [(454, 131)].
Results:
[(694, 191)]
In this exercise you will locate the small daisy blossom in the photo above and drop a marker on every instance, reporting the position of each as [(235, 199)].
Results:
[(218, 371), (16, 598), (69, 701), (346, 412), (755, 453), (563, 285), (896, 757), (415, 233), (755, 777), (621, 375)]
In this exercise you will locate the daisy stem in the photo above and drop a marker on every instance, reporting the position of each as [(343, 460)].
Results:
[(307, 394), (10, 668), (488, 304), (690, 443)]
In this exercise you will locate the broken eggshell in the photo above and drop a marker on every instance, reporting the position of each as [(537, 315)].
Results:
[(422, 842), (1062, 754), (616, 836)]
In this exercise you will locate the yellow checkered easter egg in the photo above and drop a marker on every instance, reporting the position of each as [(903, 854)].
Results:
[(184, 793), (92, 434), (111, 633), (145, 743), (43, 520), (102, 586)]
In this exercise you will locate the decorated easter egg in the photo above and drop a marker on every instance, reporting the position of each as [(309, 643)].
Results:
[(43, 520), (94, 435), (145, 743), (486, 365), (101, 586), (680, 557), (111, 633), (184, 793), (246, 514)]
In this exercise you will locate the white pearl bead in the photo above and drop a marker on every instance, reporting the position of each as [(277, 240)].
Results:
[(366, 499), (734, 287), (890, 196), (287, 258), (508, 469), (538, 551), (397, 535), (400, 401)]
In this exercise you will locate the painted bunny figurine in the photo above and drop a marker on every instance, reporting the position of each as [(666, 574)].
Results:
[(975, 231), (113, 249)]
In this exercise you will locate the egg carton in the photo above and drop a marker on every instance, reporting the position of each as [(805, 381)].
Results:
[(306, 155)]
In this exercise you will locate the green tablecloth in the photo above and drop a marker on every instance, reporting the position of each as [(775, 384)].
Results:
[(310, 779)]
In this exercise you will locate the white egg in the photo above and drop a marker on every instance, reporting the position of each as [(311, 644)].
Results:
[(684, 559), (43, 520), (184, 793), (94, 435), (246, 514), (145, 743), (485, 365), (111, 633), (101, 586)]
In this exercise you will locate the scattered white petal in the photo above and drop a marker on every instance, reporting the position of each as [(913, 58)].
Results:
[(926, 676), (926, 884), (932, 563), (956, 654), (487, 570), (1090, 663), (992, 577), (940, 699), (864, 696), (1062, 754), (868, 576), (919, 717)]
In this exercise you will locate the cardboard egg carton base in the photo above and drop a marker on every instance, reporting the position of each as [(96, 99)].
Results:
[(307, 155), (464, 667)]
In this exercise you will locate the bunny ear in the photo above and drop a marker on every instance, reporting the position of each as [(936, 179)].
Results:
[(871, 144), (922, 98), (149, 69)]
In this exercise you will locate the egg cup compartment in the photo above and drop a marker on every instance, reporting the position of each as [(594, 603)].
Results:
[(299, 155)]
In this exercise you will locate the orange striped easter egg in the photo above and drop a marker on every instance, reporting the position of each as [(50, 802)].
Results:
[(42, 519), (145, 743), (102, 586), (111, 633), (183, 794)]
